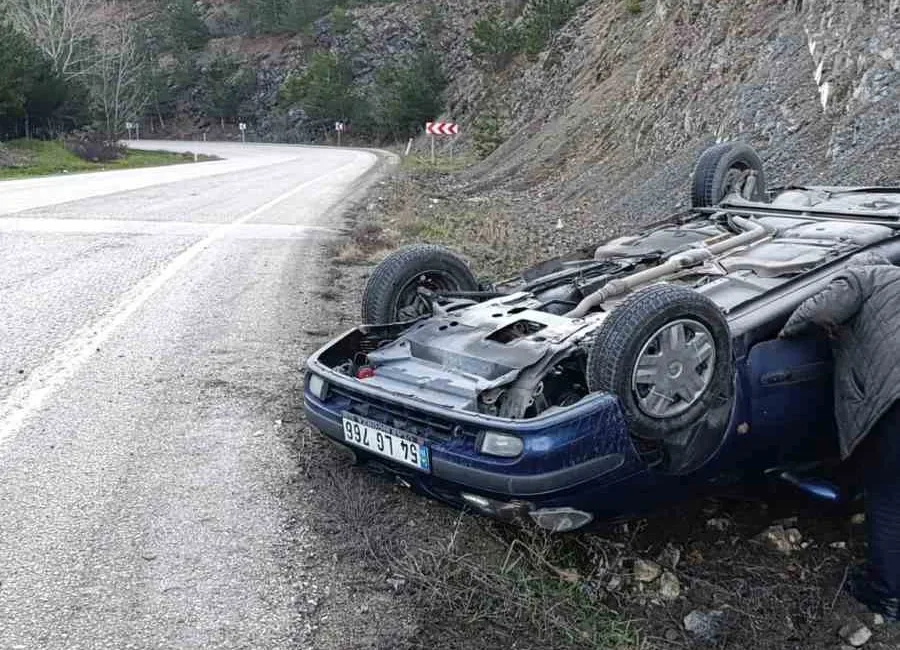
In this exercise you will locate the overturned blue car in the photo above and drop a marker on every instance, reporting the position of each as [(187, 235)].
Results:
[(608, 383)]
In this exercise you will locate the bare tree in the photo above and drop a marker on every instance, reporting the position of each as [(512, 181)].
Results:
[(62, 29), (119, 76)]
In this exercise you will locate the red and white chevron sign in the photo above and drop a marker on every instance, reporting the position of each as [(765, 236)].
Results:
[(441, 128)]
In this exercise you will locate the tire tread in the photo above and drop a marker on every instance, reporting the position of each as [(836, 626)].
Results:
[(622, 332), (402, 263)]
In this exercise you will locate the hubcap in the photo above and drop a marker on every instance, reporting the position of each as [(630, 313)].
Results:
[(674, 368)]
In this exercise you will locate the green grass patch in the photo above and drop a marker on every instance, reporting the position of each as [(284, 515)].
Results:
[(442, 164), (44, 158)]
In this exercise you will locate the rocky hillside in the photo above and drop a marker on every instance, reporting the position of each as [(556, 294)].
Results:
[(608, 119), (814, 84)]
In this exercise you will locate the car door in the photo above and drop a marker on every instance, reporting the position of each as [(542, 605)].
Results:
[(792, 399)]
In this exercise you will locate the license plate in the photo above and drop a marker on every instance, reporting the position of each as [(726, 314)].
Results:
[(387, 441)]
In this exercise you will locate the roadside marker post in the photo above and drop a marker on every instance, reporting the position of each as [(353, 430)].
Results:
[(339, 128), (441, 128), (243, 127)]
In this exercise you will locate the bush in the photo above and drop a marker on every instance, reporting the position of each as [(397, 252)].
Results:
[(94, 147), (633, 6), (406, 96), (495, 41), (341, 21), (6, 158), (324, 91), (487, 134), (542, 18)]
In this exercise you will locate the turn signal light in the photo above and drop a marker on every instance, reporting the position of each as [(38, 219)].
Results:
[(499, 444)]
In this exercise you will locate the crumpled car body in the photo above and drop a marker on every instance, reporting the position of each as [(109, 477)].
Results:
[(488, 401)]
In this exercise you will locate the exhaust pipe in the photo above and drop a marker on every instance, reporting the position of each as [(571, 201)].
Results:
[(753, 232)]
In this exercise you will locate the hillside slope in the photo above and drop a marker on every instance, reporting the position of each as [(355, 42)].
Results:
[(814, 84), (607, 121), (604, 125)]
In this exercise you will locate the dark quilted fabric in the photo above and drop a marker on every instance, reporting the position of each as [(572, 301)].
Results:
[(860, 309)]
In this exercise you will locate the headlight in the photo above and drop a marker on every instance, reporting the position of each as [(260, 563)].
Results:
[(499, 444), (317, 386)]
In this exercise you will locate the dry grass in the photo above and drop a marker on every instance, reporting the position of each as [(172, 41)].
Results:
[(486, 232), (474, 579), (442, 164), (468, 577), (364, 243)]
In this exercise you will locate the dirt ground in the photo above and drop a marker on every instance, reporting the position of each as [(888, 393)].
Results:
[(411, 573)]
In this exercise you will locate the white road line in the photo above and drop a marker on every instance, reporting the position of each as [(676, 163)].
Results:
[(163, 228), (28, 397)]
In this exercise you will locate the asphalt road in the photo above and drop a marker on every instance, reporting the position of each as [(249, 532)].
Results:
[(150, 323)]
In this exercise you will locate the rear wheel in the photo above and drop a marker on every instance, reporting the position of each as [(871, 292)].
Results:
[(392, 291), (726, 168)]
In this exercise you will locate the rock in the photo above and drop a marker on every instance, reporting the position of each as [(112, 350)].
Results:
[(672, 635), (704, 625), (779, 539), (670, 556), (646, 571), (838, 545), (669, 586), (614, 583), (877, 619), (719, 523), (793, 536), (855, 633), (858, 519), (396, 583)]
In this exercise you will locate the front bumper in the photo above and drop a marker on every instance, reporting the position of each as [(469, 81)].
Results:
[(495, 481), (568, 454)]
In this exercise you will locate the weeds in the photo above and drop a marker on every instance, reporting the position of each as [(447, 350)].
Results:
[(364, 242), (509, 588), (442, 164)]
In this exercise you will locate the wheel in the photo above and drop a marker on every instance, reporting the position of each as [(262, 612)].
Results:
[(391, 293), (724, 168), (665, 352)]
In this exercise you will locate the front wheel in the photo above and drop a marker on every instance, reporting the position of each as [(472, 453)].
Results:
[(392, 291), (665, 353)]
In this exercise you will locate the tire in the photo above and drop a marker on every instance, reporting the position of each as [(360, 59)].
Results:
[(630, 334), (390, 293), (719, 167)]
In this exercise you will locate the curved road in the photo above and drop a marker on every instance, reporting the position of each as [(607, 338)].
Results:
[(149, 325)]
